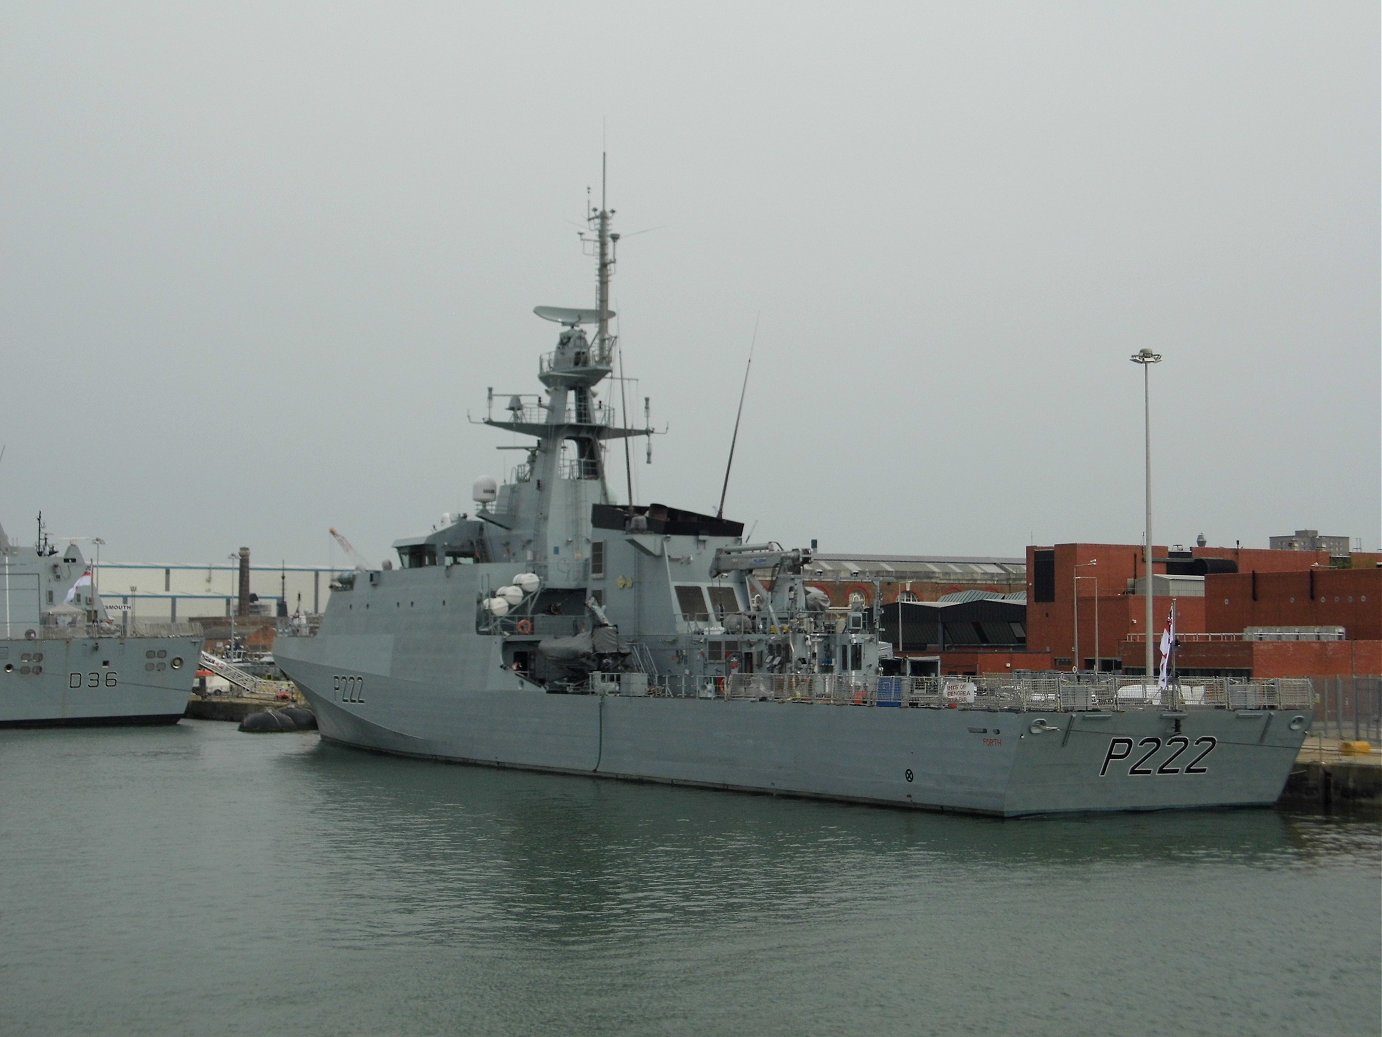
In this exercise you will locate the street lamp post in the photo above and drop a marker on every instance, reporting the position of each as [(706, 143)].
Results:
[(231, 602), (1146, 358), (1096, 620), (1075, 597), (1098, 668), (1075, 584)]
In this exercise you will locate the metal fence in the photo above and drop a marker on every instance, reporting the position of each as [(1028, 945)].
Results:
[(1349, 709)]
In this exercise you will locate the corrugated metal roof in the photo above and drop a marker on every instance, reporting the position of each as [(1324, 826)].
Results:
[(958, 597), (916, 567)]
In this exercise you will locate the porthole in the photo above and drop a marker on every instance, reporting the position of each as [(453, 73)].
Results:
[(38, 670), (38, 657), (23, 669), (149, 654), (149, 667), (176, 663), (163, 653)]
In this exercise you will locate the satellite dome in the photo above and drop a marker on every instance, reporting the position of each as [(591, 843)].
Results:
[(486, 489)]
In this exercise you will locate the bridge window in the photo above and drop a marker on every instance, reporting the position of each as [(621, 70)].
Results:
[(415, 556), (691, 601), (724, 601)]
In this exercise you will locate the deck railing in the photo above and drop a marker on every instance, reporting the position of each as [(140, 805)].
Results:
[(1046, 692), (82, 631)]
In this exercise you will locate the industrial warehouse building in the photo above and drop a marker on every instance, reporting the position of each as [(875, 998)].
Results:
[(1308, 606)]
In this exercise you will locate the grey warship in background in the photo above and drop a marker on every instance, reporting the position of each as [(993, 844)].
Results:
[(555, 630), (64, 661)]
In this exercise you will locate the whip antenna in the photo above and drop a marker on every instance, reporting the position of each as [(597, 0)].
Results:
[(720, 511)]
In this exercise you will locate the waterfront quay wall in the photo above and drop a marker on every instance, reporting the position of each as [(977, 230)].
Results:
[(1326, 777)]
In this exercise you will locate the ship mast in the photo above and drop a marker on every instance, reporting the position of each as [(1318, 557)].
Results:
[(553, 496), (604, 260), (604, 271)]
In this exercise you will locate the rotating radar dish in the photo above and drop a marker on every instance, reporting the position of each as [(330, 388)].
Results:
[(569, 316)]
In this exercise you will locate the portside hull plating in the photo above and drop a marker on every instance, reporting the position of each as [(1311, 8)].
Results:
[(973, 761), (51, 682)]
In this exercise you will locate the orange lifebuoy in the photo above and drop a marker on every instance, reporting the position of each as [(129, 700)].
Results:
[(524, 626)]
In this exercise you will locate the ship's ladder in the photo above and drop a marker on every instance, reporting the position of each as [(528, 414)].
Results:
[(575, 504), (643, 659)]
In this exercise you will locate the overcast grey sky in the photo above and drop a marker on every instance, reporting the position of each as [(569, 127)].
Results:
[(262, 260)]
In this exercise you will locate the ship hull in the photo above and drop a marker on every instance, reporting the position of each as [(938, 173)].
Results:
[(95, 681), (999, 763)]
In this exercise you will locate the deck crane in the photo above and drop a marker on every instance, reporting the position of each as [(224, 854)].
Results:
[(350, 551)]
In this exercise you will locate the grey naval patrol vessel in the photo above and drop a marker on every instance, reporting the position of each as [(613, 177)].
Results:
[(63, 661), (555, 630)]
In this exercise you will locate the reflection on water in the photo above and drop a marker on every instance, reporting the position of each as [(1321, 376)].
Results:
[(198, 880), (461, 853)]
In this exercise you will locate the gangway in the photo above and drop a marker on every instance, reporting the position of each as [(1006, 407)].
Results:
[(239, 678)]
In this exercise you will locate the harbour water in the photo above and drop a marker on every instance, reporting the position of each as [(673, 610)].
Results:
[(196, 880)]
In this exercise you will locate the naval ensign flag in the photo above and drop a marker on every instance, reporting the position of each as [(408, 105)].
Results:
[(1168, 642), (84, 580)]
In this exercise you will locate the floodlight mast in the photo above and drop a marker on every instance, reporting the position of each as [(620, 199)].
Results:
[(1146, 358)]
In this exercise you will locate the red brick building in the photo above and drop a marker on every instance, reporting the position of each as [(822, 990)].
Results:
[(1260, 612), (1240, 611)]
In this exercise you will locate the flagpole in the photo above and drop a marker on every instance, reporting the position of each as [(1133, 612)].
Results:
[(1171, 679)]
